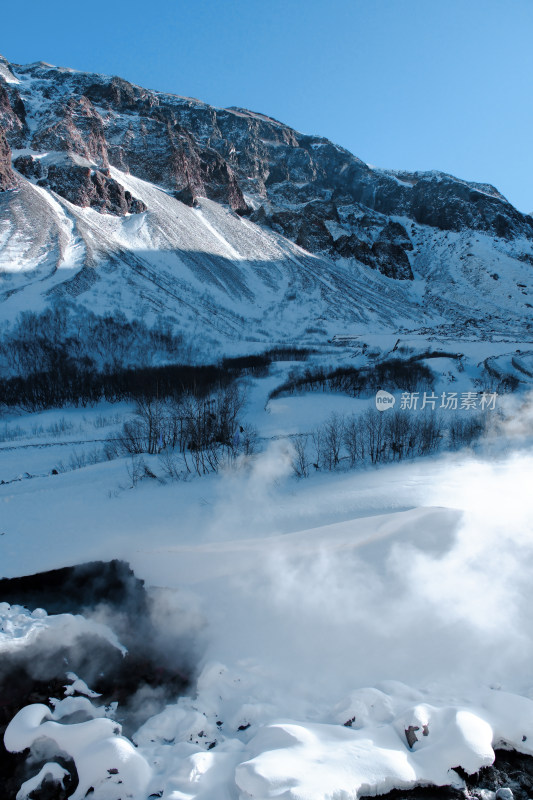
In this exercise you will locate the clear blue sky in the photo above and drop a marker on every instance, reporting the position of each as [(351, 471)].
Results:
[(408, 84)]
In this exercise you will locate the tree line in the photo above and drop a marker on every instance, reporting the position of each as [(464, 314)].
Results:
[(59, 358), (408, 375), (376, 437)]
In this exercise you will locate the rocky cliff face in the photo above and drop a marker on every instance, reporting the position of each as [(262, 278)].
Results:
[(313, 192), (6, 173), (292, 217)]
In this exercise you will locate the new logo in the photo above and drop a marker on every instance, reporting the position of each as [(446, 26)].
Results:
[(384, 400)]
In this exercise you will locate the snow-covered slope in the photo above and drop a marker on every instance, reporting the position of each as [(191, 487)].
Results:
[(236, 227)]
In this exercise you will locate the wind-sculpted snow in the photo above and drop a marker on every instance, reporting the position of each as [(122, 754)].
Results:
[(383, 738), (105, 761), (420, 744), (315, 597), (127, 197)]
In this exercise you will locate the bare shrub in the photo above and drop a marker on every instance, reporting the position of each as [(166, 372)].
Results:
[(400, 434), (353, 440), (205, 430), (318, 448), (171, 465), (429, 434), (462, 432), (373, 429), (300, 461), (332, 435)]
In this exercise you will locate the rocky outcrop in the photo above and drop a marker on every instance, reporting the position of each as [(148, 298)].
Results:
[(7, 177), (86, 187), (315, 193), (441, 201), (29, 167), (390, 251), (316, 225), (12, 115), (80, 185), (77, 128)]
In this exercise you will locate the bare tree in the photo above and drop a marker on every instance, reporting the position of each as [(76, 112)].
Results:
[(333, 433), (318, 447), (353, 440), (300, 461)]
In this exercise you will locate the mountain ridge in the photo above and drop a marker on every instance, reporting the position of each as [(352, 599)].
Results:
[(350, 243)]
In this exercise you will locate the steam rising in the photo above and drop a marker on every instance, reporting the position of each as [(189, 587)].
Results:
[(418, 595)]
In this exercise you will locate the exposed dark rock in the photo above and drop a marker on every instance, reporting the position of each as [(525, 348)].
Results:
[(186, 196), (7, 177), (117, 94), (392, 260), (84, 187), (12, 115), (354, 247), (29, 167), (76, 128), (511, 772), (32, 676), (76, 589), (396, 234), (410, 735)]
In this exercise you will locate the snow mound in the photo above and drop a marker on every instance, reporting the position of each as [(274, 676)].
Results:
[(382, 738), (423, 744), (105, 761), (50, 771)]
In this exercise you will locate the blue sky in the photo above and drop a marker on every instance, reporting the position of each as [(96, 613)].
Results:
[(408, 84)]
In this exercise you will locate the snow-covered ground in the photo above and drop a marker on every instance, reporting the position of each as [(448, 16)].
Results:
[(396, 600), (223, 279)]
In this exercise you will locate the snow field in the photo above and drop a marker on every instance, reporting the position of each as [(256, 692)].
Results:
[(391, 599)]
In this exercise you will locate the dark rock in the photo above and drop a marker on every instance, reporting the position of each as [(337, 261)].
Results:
[(87, 187), (117, 94), (7, 178), (354, 247), (186, 196), (29, 167), (12, 115), (511, 772), (396, 234), (75, 589), (410, 735), (76, 128), (392, 260)]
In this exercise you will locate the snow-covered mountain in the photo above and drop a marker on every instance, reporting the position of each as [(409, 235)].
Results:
[(237, 227)]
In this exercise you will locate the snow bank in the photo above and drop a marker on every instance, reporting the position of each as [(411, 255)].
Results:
[(422, 744), (383, 738), (105, 760)]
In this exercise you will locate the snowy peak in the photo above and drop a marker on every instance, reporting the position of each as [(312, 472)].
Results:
[(146, 200), (5, 71)]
